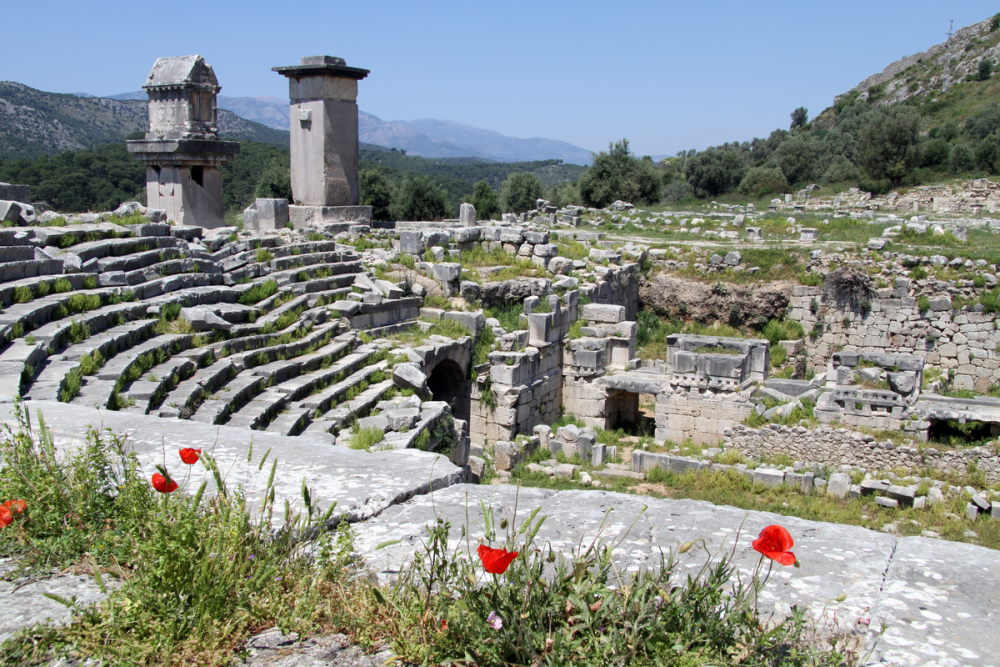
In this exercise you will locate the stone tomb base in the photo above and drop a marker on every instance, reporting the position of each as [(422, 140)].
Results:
[(305, 216)]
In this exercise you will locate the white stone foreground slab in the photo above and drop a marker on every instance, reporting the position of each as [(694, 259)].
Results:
[(22, 602), (361, 483), (938, 601)]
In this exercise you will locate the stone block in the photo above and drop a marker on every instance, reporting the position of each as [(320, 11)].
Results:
[(838, 485), (769, 476), (467, 214), (883, 501), (603, 312), (411, 241), (446, 271)]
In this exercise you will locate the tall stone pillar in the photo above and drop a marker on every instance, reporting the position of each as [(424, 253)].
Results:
[(323, 93), (181, 150)]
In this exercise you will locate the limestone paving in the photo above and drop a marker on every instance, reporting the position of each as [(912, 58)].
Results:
[(912, 601)]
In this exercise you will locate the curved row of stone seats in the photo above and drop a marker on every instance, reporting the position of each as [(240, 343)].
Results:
[(315, 394), (91, 251), (194, 397), (64, 237), (260, 411), (17, 262), (22, 318), (51, 382), (38, 286), (105, 389), (178, 282), (231, 248), (146, 394), (326, 270), (338, 417), (256, 370), (166, 268), (286, 378), (138, 260)]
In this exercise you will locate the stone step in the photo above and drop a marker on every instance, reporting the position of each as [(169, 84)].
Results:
[(46, 284), (290, 276), (116, 247), (172, 267), (28, 316), (176, 283), (29, 268), (164, 376), (287, 379), (358, 407), (235, 393), (108, 343), (115, 371), (138, 260)]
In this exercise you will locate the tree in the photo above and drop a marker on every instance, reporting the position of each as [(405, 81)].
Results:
[(417, 198), (715, 170), (985, 69), (377, 193), (519, 192), (887, 142), (618, 174), (798, 158), (484, 198), (799, 118), (760, 181)]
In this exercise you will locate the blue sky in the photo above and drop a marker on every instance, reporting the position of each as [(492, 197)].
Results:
[(667, 75)]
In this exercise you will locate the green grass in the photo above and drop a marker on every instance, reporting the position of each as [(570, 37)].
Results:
[(366, 438), (259, 292)]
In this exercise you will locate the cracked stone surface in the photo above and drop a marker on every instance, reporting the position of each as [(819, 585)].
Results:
[(361, 483), (23, 604), (938, 600), (273, 648)]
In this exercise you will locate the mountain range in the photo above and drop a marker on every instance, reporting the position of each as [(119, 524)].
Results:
[(425, 138)]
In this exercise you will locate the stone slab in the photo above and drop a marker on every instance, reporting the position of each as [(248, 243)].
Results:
[(851, 579), (23, 604), (363, 484)]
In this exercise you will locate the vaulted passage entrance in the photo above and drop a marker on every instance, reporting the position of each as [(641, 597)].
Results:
[(631, 412), (448, 383)]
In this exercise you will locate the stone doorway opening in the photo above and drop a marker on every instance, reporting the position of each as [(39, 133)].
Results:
[(633, 413), (958, 433), (449, 383)]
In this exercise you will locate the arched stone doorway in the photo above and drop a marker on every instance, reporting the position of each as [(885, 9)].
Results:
[(449, 383)]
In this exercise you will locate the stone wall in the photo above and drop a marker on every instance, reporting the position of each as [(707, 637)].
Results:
[(962, 342), (702, 415), (837, 446)]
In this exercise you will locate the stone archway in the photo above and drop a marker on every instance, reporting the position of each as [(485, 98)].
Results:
[(449, 383)]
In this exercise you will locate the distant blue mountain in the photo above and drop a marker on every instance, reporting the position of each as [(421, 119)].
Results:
[(426, 138)]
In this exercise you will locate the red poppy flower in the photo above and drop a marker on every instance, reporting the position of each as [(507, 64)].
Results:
[(16, 506), (189, 455), (6, 516), (495, 561), (775, 542), (163, 484)]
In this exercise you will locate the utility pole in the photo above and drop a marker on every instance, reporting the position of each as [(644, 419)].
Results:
[(951, 28)]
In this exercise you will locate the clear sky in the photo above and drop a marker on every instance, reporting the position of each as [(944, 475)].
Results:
[(667, 75)]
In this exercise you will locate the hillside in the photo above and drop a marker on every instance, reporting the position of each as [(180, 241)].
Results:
[(945, 83), (34, 122), (925, 76)]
